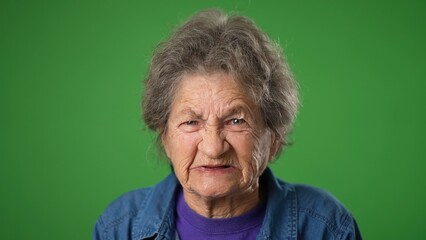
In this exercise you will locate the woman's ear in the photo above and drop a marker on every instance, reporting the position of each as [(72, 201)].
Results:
[(164, 141), (275, 145)]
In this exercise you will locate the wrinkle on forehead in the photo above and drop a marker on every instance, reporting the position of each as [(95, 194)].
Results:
[(230, 109), (209, 99)]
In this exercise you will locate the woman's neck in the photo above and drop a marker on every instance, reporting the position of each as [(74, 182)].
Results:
[(224, 207)]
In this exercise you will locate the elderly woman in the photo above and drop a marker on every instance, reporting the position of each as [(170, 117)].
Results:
[(222, 100)]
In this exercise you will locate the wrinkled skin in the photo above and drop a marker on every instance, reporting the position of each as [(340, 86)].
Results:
[(218, 145)]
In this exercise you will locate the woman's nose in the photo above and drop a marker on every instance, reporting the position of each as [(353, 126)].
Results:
[(213, 144)]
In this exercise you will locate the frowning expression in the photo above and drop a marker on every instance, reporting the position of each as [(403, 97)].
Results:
[(216, 138)]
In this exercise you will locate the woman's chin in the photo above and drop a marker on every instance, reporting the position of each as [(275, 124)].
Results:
[(213, 189)]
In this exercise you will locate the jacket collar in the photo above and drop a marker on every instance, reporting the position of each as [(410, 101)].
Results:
[(281, 210), (156, 215)]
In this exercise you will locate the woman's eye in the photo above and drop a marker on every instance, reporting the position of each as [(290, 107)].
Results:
[(237, 121), (190, 126), (191, 123)]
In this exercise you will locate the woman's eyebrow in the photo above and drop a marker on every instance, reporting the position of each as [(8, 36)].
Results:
[(188, 112), (228, 111), (237, 110)]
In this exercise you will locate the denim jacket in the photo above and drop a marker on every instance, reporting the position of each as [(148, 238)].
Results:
[(293, 211)]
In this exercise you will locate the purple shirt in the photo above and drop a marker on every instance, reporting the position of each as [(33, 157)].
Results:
[(191, 225)]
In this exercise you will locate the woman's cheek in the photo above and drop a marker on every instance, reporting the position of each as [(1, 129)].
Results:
[(189, 141), (185, 146)]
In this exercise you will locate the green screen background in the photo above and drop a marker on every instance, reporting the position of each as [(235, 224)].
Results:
[(72, 140)]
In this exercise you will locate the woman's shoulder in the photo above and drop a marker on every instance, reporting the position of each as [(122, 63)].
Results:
[(123, 211), (311, 198), (317, 199), (320, 212), (125, 206)]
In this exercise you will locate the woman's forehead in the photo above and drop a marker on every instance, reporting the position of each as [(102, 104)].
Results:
[(216, 90), (200, 113)]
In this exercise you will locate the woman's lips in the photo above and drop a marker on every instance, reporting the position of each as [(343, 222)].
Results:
[(221, 168), (224, 166)]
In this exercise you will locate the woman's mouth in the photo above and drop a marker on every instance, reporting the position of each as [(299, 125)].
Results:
[(215, 168)]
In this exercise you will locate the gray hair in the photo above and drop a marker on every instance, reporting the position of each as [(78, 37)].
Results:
[(210, 42)]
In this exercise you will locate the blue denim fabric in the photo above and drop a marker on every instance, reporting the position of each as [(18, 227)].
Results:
[(293, 211)]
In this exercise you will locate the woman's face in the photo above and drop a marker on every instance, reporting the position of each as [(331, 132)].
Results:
[(216, 138)]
